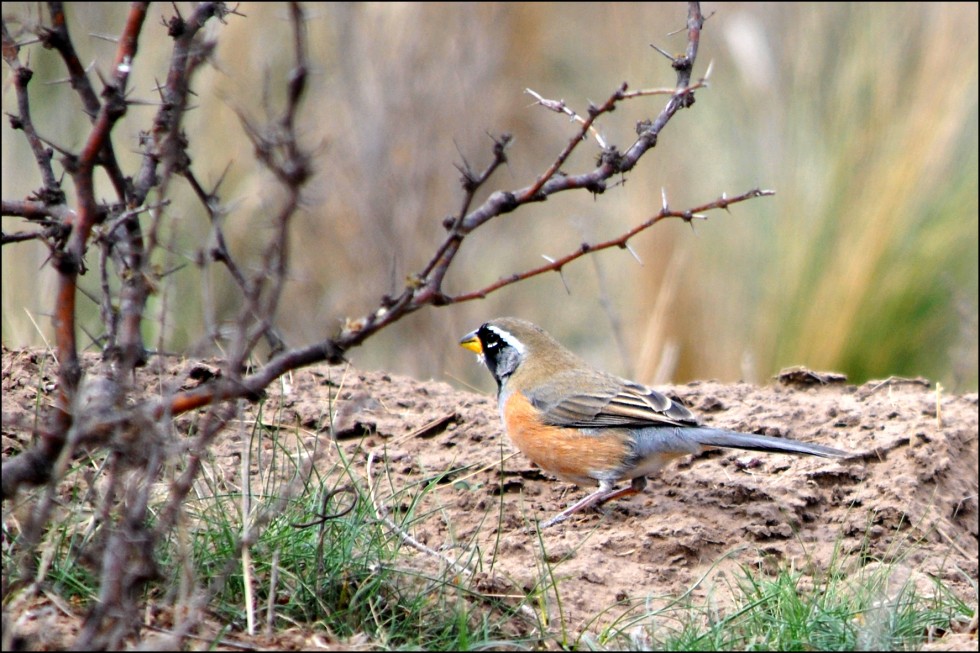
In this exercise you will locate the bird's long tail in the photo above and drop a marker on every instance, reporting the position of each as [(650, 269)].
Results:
[(733, 440)]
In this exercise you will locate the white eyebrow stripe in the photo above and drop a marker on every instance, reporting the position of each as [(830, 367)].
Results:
[(509, 339)]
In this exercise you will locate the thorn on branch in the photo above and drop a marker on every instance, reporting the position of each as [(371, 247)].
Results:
[(664, 52), (559, 106), (468, 179), (557, 267), (500, 145), (629, 248), (707, 73)]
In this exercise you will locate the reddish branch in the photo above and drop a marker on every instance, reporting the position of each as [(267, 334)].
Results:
[(58, 38), (620, 241), (69, 262)]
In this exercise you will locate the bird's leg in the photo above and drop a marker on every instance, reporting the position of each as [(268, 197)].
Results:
[(602, 495), (635, 487)]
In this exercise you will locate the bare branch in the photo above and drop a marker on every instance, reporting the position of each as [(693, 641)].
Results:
[(559, 106), (51, 193), (621, 241)]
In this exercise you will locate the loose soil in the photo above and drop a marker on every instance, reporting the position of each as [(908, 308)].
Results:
[(907, 496)]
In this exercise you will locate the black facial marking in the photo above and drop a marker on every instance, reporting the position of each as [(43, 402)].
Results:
[(501, 352), (493, 346)]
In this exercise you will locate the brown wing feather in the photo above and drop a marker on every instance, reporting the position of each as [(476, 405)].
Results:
[(609, 401)]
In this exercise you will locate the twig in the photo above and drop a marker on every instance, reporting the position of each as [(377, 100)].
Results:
[(22, 76), (559, 106), (381, 512), (622, 241)]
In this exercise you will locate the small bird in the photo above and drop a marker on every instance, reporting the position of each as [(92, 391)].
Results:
[(586, 426)]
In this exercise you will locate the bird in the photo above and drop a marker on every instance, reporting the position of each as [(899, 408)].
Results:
[(588, 426)]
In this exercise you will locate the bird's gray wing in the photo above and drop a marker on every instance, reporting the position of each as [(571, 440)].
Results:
[(587, 399)]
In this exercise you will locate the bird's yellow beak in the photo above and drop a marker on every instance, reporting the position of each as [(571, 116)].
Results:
[(471, 342)]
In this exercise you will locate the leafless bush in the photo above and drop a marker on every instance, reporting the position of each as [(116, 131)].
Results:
[(120, 238)]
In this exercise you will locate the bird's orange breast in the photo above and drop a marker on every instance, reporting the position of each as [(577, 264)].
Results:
[(565, 452)]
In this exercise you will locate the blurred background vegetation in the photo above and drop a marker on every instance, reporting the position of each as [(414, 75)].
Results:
[(862, 117)]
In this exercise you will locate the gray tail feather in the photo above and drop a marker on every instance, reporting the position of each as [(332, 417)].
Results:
[(731, 439)]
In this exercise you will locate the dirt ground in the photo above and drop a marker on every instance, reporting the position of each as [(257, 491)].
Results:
[(908, 495)]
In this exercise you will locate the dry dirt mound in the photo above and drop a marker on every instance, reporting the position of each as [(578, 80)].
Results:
[(913, 479), (909, 493)]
